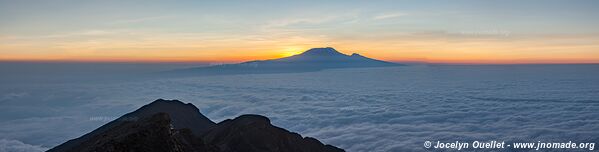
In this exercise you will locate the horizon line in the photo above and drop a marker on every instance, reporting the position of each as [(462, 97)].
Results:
[(409, 62)]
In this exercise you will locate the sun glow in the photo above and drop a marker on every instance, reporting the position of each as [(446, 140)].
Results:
[(291, 51)]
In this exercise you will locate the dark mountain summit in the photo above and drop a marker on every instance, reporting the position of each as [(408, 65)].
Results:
[(311, 60), (172, 126), (182, 116), (328, 51)]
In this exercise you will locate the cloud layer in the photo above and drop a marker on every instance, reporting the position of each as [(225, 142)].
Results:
[(371, 109), (18, 146)]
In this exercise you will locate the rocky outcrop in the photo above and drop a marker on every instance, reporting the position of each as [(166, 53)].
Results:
[(255, 133)]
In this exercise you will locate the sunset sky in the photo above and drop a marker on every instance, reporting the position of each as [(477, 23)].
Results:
[(442, 31)]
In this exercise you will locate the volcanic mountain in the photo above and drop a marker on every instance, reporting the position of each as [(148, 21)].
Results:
[(173, 126), (314, 59)]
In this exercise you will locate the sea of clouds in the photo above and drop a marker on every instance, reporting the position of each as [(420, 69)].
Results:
[(365, 109)]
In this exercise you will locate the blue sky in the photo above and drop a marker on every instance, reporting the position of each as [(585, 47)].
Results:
[(206, 30)]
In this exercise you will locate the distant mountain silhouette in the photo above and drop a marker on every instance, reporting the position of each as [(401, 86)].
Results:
[(172, 126), (312, 60)]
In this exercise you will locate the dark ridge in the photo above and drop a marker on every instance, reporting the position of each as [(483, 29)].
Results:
[(182, 115), (154, 133), (173, 126), (255, 133)]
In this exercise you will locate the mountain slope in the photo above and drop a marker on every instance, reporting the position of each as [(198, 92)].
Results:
[(150, 134), (172, 126), (184, 116), (311, 60), (255, 133)]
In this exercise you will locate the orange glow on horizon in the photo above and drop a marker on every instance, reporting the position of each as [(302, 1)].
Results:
[(488, 59), (422, 51)]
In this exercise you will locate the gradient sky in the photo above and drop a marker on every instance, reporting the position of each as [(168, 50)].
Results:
[(446, 31)]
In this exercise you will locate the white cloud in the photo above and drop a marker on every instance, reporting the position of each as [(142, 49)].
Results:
[(286, 22), (322, 19), (389, 15), (141, 19), (7, 145)]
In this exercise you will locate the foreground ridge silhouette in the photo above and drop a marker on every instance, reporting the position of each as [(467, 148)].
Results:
[(173, 126)]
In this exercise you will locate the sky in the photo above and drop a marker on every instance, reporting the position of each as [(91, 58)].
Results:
[(440, 31)]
